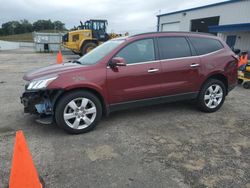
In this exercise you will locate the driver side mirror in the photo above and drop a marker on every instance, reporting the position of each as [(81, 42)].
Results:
[(117, 62)]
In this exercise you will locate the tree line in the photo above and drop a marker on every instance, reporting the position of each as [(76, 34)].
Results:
[(24, 26)]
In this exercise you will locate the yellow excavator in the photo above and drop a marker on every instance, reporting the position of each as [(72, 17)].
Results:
[(87, 36)]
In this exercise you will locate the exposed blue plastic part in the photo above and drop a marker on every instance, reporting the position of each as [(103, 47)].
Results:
[(45, 107)]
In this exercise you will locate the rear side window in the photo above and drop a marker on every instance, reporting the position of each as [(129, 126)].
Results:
[(205, 45), (173, 47), (138, 51)]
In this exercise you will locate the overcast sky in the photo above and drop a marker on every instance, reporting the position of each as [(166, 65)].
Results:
[(123, 15)]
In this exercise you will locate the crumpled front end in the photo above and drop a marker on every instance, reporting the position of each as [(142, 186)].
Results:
[(39, 101)]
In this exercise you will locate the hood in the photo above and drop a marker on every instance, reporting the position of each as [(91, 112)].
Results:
[(51, 70)]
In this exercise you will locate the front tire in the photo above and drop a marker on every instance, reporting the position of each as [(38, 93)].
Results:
[(212, 95), (78, 112)]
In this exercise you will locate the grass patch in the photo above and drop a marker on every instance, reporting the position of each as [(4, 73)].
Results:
[(25, 37)]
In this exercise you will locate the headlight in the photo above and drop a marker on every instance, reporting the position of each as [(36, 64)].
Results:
[(41, 83)]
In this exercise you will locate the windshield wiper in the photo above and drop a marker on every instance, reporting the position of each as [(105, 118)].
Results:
[(76, 61)]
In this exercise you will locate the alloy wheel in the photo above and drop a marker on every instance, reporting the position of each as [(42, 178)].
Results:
[(213, 96), (79, 113)]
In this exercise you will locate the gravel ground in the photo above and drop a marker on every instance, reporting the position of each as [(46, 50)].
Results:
[(170, 145)]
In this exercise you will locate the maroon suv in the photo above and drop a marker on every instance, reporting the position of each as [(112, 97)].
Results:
[(139, 70)]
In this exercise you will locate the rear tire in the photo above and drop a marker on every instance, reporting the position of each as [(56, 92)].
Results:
[(87, 47), (240, 81), (78, 112), (246, 85), (211, 96)]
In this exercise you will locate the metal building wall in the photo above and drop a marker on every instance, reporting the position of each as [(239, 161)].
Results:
[(5, 45), (230, 13), (242, 39), (53, 40)]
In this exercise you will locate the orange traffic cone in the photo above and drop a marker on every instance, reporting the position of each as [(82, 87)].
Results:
[(245, 59), (59, 58), (23, 171)]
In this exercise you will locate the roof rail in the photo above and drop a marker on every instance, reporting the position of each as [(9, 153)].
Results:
[(188, 32)]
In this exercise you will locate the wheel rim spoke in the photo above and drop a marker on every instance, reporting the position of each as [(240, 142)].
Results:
[(91, 110), (219, 95), (73, 105), (84, 102), (69, 116), (76, 123), (209, 104), (216, 89), (210, 89), (87, 120), (215, 102), (207, 97)]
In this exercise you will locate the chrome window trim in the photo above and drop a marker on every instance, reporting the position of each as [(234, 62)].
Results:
[(179, 58), (144, 62), (139, 63), (212, 52), (195, 56)]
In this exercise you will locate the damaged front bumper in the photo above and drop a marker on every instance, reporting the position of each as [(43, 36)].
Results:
[(40, 101)]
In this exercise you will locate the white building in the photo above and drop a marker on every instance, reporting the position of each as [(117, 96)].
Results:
[(230, 20), (48, 42)]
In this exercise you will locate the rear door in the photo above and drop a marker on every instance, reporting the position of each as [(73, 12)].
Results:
[(141, 78), (180, 66)]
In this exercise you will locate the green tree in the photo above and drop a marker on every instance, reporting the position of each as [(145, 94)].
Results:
[(10, 28), (43, 25), (24, 26), (1, 31), (58, 25)]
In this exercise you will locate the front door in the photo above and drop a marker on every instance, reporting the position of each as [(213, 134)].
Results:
[(140, 79)]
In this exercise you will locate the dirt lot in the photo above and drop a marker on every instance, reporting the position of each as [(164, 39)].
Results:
[(171, 145)]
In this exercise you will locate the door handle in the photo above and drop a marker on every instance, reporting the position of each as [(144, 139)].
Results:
[(152, 70), (195, 65)]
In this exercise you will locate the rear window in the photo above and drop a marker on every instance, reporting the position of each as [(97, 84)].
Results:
[(173, 47), (205, 45)]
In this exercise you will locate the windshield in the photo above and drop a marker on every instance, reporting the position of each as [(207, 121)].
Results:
[(95, 55)]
